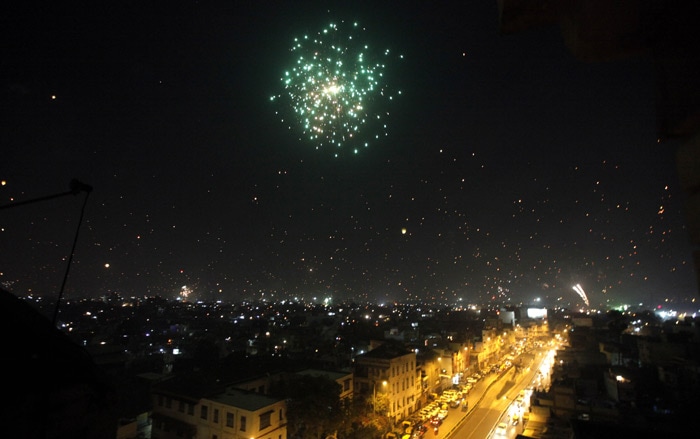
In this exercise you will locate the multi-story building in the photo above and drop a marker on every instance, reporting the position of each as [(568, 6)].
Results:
[(488, 349), (429, 365), (242, 415), (388, 374), (224, 413), (445, 368)]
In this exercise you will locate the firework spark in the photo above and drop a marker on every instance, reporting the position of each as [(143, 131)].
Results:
[(337, 88)]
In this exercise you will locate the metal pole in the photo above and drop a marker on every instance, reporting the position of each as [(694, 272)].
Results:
[(374, 403), (75, 188)]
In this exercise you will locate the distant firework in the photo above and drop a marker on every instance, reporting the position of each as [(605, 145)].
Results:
[(337, 89), (581, 293)]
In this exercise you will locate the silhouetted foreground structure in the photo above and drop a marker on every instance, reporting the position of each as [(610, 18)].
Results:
[(54, 389)]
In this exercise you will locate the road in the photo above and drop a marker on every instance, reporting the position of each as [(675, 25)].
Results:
[(492, 401)]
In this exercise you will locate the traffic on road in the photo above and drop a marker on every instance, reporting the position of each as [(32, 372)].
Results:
[(492, 404)]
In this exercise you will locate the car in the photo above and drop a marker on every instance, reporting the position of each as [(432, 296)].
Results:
[(515, 420), (407, 427), (419, 431), (501, 429)]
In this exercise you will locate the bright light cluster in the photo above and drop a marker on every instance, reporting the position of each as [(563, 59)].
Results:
[(337, 89)]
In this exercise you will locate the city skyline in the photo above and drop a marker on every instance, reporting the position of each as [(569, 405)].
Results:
[(508, 170)]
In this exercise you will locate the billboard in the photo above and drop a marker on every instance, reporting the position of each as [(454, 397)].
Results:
[(537, 313)]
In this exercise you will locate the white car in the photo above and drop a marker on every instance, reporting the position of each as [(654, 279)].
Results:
[(501, 429)]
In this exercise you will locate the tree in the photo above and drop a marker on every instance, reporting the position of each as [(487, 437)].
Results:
[(313, 404)]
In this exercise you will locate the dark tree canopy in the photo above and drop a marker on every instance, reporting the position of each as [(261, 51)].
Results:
[(313, 404)]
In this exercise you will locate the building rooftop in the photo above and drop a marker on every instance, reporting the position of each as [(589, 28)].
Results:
[(333, 375), (250, 401), (387, 351)]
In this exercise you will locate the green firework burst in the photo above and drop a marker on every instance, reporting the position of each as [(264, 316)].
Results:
[(337, 89)]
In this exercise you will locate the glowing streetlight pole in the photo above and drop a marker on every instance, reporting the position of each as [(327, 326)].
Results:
[(375, 395)]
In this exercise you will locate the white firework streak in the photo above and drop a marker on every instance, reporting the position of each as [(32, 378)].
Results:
[(581, 293)]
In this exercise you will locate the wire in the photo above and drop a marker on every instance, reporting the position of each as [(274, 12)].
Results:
[(70, 258)]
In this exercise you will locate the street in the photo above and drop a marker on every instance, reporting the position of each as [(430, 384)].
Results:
[(494, 400)]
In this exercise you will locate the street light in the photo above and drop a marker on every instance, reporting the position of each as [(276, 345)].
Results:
[(374, 403)]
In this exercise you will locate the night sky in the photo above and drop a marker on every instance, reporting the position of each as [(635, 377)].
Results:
[(510, 170)]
